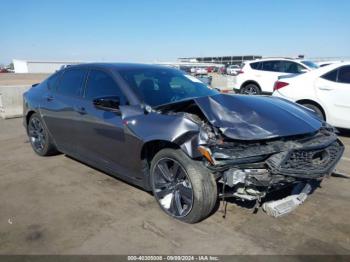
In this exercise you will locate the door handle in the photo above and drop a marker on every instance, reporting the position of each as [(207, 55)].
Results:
[(81, 110), (49, 98), (325, 88)]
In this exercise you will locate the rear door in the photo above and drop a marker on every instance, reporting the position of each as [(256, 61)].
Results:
[(270, 70), (289, 67), (333, 89), (61, 109)]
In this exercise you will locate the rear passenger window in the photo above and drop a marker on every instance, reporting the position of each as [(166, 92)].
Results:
[(272, 66), (331, 76), (255, 66), (101, 84), (71, 82), (344, 75), (53, 80), (291, 67)]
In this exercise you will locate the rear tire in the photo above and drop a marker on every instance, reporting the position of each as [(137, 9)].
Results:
[(250, 89), (39, 137), (316, 109), (195, 193)]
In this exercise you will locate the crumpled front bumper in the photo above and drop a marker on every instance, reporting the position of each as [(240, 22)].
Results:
[(308, 157), (250, 172)]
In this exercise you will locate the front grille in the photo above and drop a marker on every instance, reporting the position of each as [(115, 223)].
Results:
[(307, 163)]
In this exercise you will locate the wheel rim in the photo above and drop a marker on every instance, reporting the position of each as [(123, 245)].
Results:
[(37, 134), (250, 90), (172, 187)]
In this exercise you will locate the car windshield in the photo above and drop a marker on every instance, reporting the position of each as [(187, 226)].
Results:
[(158, 86), (310, 64)]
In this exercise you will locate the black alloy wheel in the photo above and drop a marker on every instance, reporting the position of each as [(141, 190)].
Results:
[(173, 188), (37, 135), (183, 187)]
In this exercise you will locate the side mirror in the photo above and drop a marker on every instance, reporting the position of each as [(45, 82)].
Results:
[(110, 103), (302, 71)]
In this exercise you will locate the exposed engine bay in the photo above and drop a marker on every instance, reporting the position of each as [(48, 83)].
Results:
[(249, 165)]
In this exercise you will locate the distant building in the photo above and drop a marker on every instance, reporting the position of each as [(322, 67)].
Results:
[(27, 66), (227, 60)]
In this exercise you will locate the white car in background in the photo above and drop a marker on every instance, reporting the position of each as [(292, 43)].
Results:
[(258, 76), (325, 90), (199, 70), (233, 70)]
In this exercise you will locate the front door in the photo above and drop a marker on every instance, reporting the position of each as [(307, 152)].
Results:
[(101, 138)]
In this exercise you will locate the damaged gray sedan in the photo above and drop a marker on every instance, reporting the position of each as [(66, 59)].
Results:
[(166, 132)]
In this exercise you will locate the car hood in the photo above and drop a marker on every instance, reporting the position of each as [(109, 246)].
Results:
[(243, 117)]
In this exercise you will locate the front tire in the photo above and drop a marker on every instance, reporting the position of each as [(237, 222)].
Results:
[(39, 137), (183, 188)]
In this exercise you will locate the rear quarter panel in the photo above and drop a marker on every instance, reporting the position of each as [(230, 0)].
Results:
[(32, 99)]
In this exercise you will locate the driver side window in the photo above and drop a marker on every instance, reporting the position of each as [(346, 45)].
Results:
[(101, 84), (178, 84)]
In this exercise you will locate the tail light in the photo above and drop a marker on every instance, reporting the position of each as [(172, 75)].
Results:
[(240, 72), (279, 85)]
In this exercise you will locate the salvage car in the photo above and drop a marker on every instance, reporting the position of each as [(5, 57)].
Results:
[(167, 132)]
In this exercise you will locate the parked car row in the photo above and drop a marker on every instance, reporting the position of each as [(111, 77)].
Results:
[(233, 70), (199, 70), (6, 70)]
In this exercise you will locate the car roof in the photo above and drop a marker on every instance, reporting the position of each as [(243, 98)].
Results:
[(276, 58), (330, 62), (323, 70), (119, 66), (332, 66)]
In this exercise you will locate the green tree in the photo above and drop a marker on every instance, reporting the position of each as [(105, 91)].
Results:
[(10, 66)]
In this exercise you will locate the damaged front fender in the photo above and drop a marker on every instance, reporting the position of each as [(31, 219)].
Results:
[(149, 125)]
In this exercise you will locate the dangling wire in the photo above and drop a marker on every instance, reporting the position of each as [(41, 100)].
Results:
[(257, 205), (224, 202), (225, 209)]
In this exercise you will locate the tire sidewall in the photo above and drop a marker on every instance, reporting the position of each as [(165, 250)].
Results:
[(250, 85), (47, 144), (195, 173)]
